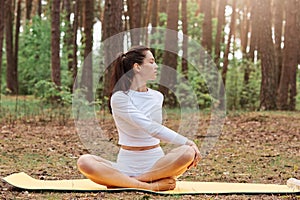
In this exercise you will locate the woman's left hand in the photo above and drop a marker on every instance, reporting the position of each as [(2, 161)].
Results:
[(197, 153)]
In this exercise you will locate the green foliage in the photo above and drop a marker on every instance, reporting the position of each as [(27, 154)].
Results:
[(34, 54), (240, 95), (49, 93)]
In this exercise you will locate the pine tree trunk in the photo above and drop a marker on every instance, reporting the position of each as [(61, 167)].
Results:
[(184, 63), (287, 86), (220, 28), (135, 15), (154, 21), (230, 36), (168, 71), (11, 71), (68, 38), (2, 23), (28, 9), (17, 31), (267, 55), (207, 26), (55, 42), (87, 70), (254, 30), (74, 40), (278, 25), (112, 25)]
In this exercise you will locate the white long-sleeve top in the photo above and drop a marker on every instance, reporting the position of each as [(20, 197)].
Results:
[(138, 118)]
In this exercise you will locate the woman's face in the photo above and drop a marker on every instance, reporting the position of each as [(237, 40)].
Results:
[(148, 70)]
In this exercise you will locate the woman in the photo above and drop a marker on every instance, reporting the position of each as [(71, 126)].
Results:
[(137, 112)]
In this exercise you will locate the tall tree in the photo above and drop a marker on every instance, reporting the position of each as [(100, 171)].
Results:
[(207, 25), (267, 55), (2, 22), (229, 42), (184, 63), (76, 8), (68, 38), (254, 18), (168, 72), (220, 28), (11, 71), (287, 87), (17, 31), (278, 26), (87, 70), (135, 16), (112, 25), (55, 42), (28, 8)]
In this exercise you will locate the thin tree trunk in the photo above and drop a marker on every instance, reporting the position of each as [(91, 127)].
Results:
[(254, 30), (154, 21), (55, 42), (135, 15), (278, 26), (74, 40), (184, 63), (2, 23), (287, 86), (68, 38), (207, 26), (168, 72), (230, 36), (17, 31), (11, 71), (87, 70), (112, 25), (267, 55), (39, 10), (220, 28), (28, 9)]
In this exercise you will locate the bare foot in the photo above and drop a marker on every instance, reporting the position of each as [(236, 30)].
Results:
[(163, 184)]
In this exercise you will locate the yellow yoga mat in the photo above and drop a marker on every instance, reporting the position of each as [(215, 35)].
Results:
[(24, 181)]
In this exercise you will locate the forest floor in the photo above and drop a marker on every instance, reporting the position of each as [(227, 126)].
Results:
[(254, 147)]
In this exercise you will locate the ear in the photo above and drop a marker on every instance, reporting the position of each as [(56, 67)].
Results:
[(136, 67)]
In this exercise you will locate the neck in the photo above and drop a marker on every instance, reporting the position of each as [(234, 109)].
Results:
[(138, 86)]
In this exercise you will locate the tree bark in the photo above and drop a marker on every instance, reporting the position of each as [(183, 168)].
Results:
[(55, 42), (267, 55), (207, 26), (230, 36), (74, 40), (254, 30), (11, 71), (184, 63), (287, 86), (28, 9), (112, 25), (168, 71), (87, 70), (2, 23), (17, 31), (135, 15), (220, 28), (278, 26)]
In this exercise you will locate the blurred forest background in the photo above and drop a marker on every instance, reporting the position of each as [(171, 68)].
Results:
[(253, 43)]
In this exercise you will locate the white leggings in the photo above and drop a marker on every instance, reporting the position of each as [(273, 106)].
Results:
[(135, 163)]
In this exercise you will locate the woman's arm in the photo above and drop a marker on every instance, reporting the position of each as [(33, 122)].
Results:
[(122, 107)]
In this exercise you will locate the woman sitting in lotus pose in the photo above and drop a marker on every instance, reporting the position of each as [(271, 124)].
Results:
[(137, 112)]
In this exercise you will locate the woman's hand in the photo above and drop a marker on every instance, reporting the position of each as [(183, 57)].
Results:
[(197, 153)]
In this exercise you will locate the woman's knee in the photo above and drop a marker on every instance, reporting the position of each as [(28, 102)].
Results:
[(84, 163), (187, 154)]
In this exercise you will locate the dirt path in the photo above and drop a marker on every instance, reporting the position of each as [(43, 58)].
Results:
[(262, 147)]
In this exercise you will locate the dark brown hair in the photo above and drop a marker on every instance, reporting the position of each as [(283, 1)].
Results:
[(122, 73)]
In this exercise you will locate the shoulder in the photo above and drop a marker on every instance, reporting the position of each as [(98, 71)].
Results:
[(119, 97), (156, 93)]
